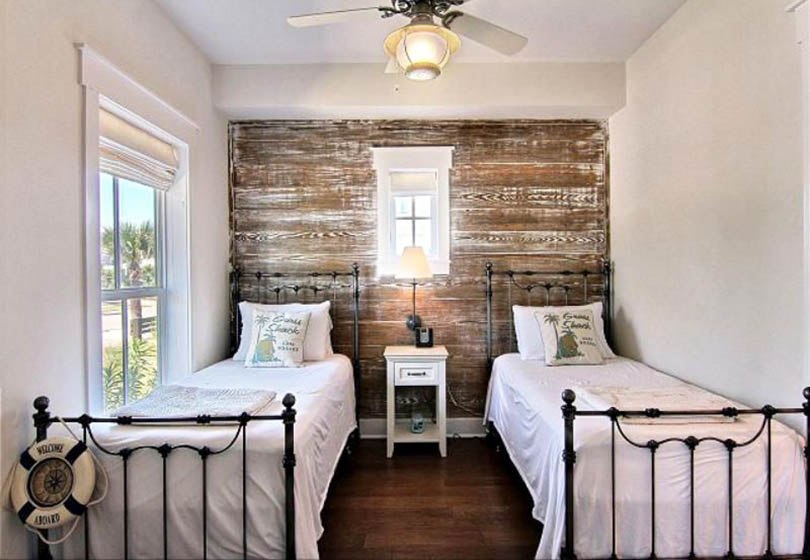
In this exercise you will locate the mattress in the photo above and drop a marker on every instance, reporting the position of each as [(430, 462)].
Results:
[(524, 402), (325, 405)]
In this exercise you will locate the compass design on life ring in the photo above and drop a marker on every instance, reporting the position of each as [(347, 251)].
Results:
[(51, 482)]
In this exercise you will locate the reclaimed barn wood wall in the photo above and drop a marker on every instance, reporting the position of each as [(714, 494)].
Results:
[(523, 194)]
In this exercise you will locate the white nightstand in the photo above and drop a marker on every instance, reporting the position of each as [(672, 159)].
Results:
[(409, 366)]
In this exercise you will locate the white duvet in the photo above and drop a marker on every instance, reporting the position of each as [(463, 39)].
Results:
[(524, 404), (324, 393)]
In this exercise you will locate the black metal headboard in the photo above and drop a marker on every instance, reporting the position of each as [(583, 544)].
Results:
[(557, 287), (275, 287)]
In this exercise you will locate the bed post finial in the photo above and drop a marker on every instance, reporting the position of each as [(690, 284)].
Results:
[(568, 397), (42, 418), (41, 403)]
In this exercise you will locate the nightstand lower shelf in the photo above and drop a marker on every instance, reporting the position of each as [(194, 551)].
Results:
[(403, 434)]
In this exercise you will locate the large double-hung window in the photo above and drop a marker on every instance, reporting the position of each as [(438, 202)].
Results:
[(132, 288), (136, 150), (136, 170)]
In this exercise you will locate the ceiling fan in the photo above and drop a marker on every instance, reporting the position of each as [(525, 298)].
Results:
[(423, 47)]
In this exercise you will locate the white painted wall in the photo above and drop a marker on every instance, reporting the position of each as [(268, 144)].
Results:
[(800, 11), (516, 90), (706, 201), (41, 220)]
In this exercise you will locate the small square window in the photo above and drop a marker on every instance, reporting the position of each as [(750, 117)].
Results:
[(414, 225), (414, 200)]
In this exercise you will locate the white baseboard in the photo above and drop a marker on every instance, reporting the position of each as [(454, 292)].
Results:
[(374, 428)]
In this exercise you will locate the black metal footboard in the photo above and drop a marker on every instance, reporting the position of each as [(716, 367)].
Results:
[(43, 419), (767, 412)]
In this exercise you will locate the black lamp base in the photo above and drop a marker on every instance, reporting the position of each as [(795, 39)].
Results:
[(413, 322)]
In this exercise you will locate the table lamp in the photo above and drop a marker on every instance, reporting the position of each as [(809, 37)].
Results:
[(413, 264)]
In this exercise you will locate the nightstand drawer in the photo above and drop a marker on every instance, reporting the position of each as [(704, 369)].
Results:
[(415, 373)]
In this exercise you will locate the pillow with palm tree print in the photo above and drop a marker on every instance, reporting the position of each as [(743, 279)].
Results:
[(569, 337), (277, 339)]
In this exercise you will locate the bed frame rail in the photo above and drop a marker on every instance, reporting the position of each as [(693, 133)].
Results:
[(43, 420), (692, 443)]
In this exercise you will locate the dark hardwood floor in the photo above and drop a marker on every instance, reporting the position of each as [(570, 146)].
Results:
[(417, 505)]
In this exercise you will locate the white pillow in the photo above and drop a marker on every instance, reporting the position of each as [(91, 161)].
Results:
[(569, 337), (277, 339), (530, 339), (318, 341)]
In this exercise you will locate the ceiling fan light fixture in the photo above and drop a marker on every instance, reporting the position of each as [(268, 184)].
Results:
[(422, 50)]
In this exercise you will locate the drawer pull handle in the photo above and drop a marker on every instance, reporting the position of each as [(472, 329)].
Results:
[(417, 373)]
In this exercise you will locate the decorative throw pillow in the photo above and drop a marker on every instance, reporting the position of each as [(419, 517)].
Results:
[(569, 337), (317, 343), (530, 340), (277, 339)]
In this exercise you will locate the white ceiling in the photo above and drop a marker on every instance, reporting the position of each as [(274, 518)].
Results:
[(256, 31)]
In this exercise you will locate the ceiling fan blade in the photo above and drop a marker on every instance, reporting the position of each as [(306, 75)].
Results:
[(340, 16), (392, 67), (488, 34)]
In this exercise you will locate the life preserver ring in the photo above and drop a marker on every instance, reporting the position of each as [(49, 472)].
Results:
[(53, 482)]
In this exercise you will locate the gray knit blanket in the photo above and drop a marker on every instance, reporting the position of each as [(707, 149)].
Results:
[(177, 401)]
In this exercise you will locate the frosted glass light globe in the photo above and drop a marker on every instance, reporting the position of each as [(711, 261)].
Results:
[(422, 50), (422, 54)]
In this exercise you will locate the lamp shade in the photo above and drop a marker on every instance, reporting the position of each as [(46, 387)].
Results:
[(413, 264)]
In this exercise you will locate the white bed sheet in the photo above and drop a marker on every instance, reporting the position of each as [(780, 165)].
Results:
[(524, 402), (325, 400)]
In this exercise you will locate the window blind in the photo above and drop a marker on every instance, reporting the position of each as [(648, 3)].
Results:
[(132, 153), (414, 181)]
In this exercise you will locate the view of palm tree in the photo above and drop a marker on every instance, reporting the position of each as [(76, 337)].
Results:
[(137, 254), (264, 339), (135, 263)]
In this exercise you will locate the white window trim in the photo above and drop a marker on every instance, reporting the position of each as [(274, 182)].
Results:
[(800, 9), (105, 86), (417, 158)]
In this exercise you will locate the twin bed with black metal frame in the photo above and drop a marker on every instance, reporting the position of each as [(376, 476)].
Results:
[(128, 449), (723, 482)]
